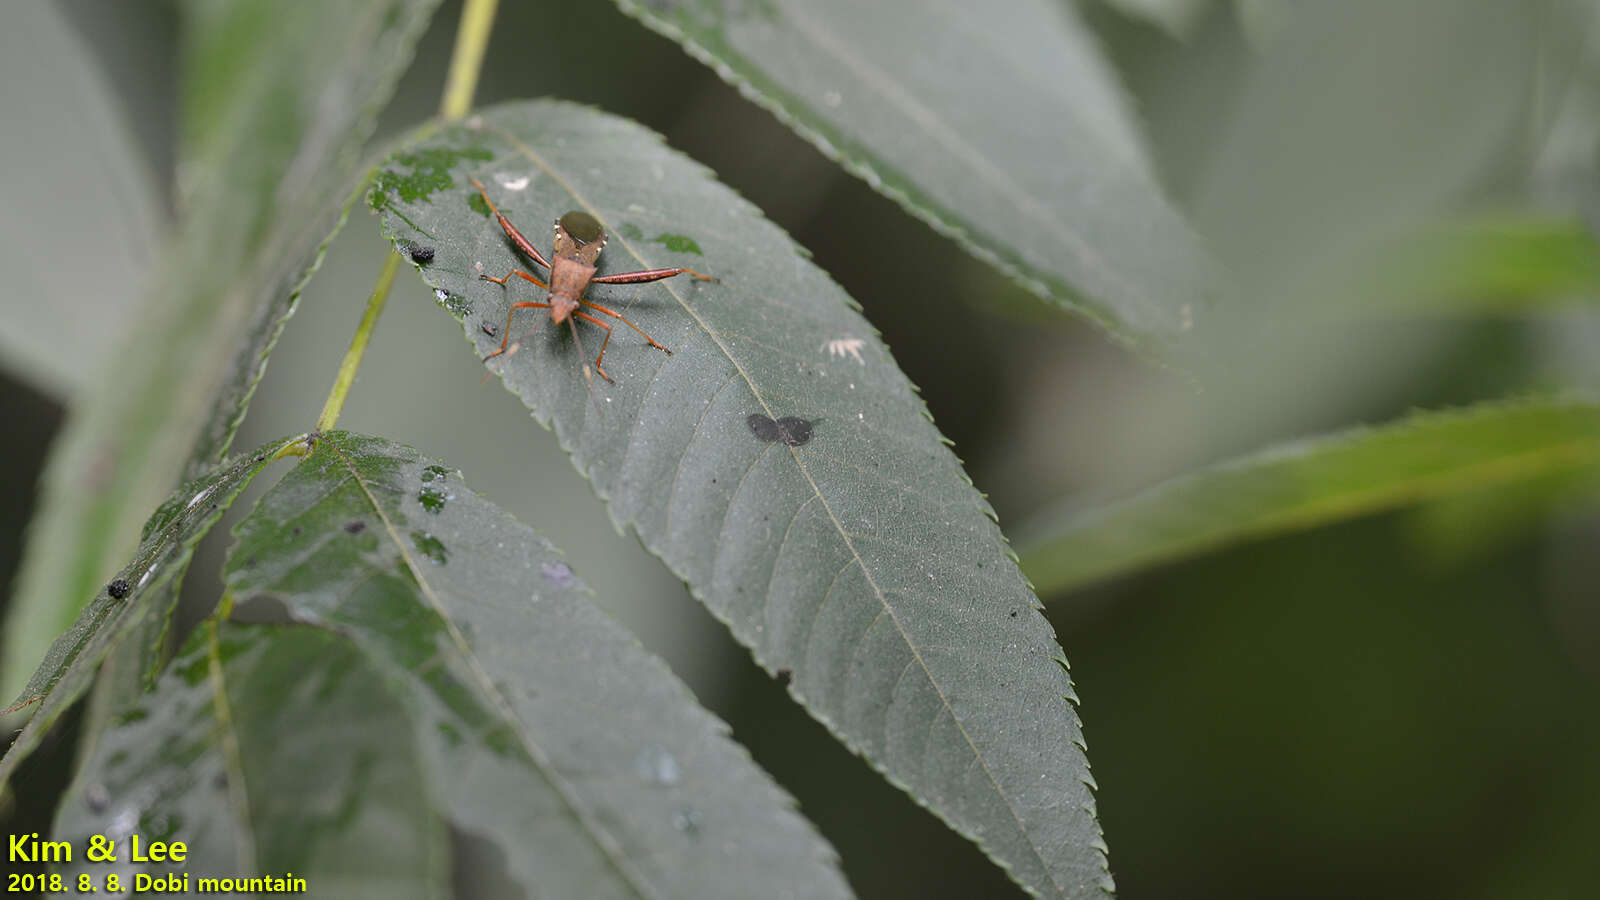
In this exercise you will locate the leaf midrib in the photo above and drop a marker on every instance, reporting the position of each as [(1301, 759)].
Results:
[(534, 157), (232, 754)]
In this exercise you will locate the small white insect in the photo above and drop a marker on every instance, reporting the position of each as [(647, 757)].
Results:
[(512, 182), (843, 346)]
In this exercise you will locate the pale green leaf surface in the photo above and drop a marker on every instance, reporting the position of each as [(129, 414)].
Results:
[(861, 561), (1463, 527), (1301, 485), (70, 150), (135, 623), (279, 98), (1500, 265), (547, 729), (1178, 17), (267, 750), (1000, 124)]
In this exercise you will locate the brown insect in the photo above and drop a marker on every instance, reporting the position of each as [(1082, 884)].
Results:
[(579, 240)]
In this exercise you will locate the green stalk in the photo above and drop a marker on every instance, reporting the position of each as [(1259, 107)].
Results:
[(358, 345), (472, 39)]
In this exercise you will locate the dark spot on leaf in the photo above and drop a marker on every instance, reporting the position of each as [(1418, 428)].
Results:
[(449, 733), (558, 574), (296, 530), (432, 498), (420, 254), (457, 306), (784, 674), (677, 243), (1013, 614), (789, 430), (119, 589), (430, 547), (430, 172), (490, 329), (260, 458), (476, 203), (355, 527)]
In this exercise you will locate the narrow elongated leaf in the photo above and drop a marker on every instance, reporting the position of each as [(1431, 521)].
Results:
[(998, 123), (1310, 483), (132, 609), (280, 99), (548, 730), (779, 462), (270, 752), (1500, 265)]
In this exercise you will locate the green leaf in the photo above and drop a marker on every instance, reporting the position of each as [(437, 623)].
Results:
[(1310, 483), (780, 464), (1291, 198), (84, 176), (548, 729), (1178, 17), (1496, 265), (1000, 125), (279, 99), (131, 610), (268, 751)]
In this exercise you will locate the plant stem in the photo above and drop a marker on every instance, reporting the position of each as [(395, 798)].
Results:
[(466, 61), (358, 345)]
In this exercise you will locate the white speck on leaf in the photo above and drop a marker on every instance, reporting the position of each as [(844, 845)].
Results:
[(843, 346), (512, 182)]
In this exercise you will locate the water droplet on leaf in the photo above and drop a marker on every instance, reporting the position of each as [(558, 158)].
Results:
[(657, 766)]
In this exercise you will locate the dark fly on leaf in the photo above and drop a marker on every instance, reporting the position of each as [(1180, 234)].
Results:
[(578, 242)]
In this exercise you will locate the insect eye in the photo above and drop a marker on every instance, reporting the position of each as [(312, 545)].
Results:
[(584, 228)]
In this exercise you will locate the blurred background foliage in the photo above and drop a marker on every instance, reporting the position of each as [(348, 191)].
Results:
[(1405, 193)]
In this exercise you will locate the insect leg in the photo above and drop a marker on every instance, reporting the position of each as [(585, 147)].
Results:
[(518, 272), (525, 245), (597, 367), (506, 337), (649, 275), (616, 315)]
